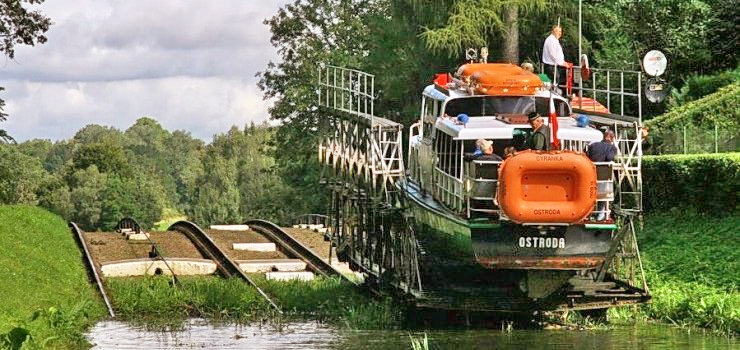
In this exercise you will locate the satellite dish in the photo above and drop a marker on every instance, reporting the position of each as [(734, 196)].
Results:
[(656, 89), (654, 63)]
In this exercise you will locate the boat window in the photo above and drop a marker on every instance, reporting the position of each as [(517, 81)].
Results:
[(543, 107), (429, 115), (490, 105), (449, 154)]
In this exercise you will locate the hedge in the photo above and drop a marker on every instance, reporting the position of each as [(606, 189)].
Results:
[(706, 183)]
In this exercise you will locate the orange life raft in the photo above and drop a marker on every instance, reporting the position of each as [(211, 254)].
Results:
[(547, 187), (499, 79)]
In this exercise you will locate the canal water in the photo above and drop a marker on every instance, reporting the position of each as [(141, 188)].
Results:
[(199, 334)]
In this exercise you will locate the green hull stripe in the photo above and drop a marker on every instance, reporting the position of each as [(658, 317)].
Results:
[(600, 226)]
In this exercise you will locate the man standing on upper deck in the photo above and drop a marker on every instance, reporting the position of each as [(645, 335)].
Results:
[(552, 55), (540, 137)]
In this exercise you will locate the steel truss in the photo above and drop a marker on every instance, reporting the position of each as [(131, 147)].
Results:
[(363, 155), (623, 261)]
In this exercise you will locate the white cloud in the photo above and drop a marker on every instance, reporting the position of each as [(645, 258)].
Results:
[(188, 64)]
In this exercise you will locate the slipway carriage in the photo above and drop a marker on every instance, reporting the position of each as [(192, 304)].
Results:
[(537, 230)]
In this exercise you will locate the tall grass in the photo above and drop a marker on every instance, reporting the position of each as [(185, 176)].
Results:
[(156, 302), (693, 268), (45, 291)]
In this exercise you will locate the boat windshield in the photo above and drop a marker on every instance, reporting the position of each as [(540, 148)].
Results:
[(479, 106)]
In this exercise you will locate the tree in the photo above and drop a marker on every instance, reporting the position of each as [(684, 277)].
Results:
[(86, 190), (106, 156), (20, 176), (472, 22), (19, 26)]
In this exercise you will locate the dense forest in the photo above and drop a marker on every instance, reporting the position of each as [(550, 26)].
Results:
[(103, 174)]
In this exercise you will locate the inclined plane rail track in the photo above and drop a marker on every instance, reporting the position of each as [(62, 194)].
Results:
[(206, 246), (293, 247), (92, 270)]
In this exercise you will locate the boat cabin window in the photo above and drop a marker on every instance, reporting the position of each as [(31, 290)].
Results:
[(449, 154), (561, 107), (429, 115), (478, 106)]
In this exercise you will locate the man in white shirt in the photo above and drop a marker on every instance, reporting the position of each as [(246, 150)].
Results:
[(552, 55)]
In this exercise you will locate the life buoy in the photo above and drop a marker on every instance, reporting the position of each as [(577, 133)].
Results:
[(499, 79), (547, 187)]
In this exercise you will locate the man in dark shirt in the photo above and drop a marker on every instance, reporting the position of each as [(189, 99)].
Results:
[(540, 137), (604, 150)]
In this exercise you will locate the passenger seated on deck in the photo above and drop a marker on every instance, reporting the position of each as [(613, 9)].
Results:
[(509, 151), (485, 151)]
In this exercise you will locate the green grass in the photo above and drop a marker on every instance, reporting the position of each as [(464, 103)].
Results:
[(44, 286), (693, 270), (155, 302)]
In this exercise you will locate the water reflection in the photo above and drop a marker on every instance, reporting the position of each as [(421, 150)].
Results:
[(199, 334), (310, 335)]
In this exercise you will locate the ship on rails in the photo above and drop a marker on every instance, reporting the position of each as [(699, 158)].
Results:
[(457, 226)]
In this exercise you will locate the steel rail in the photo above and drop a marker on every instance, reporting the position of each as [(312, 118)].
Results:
[(206, 246), (295, 248), (90, 266)]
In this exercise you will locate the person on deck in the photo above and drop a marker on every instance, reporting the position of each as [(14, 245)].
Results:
[(540, 137), (486, 150), (553, 57), (603, 151)]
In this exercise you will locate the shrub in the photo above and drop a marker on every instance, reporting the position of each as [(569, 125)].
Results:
[(707, 183)]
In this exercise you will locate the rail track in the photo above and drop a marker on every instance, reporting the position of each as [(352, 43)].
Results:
[(92, 270), (294, 248), (224, 264)]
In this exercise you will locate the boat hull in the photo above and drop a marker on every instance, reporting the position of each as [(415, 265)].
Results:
[(495, 244)]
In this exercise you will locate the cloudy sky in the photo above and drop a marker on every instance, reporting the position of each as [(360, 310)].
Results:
[(188, 64)]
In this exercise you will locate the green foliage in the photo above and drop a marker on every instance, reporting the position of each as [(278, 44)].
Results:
[(472, 23), (20, 176), (155, 301), (707, 183), (698, 86), (723, 33), (691, 267), (138, 197), (720, 109), (698, 248), (106, 156), (45, 290)]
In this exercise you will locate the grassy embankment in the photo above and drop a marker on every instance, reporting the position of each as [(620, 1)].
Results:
[(155, 302), (692, 264), (43, 285)]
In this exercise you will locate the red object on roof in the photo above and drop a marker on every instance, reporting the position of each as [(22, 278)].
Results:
[(442, 80), (588, 104)]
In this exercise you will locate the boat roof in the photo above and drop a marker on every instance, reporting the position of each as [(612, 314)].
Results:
[(492, 128), (436, 93)]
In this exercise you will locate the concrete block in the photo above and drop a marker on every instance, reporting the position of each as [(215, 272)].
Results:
[(322, 230), (287, 276), (315, 227), (143, 267), (230, 227), (143, 236), (255, 247), (303, 226), (272, 265)]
